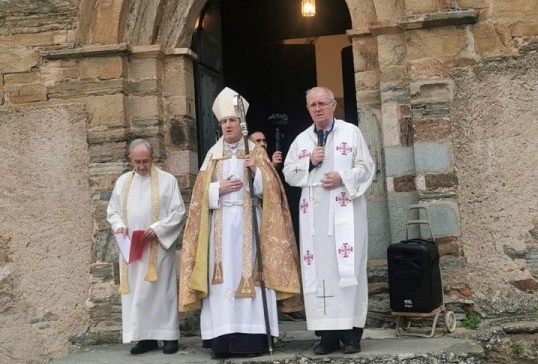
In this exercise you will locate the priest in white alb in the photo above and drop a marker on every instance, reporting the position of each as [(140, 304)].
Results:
[(219, 265), (148, 199), (330, 161)]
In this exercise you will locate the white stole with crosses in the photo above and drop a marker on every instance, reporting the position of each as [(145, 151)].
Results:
[(340, 215)]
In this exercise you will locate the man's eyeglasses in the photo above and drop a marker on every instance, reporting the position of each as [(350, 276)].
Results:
[(320, 104)]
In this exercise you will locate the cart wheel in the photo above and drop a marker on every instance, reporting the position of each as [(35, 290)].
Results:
[(450, 321), (404, 323)]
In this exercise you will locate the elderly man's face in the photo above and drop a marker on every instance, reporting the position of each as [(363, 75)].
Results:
[(321, 108), (141, 160), (259, 138), (231, 129)]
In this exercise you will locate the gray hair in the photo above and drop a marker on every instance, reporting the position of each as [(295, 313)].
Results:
[(318, 88), (135, 143)]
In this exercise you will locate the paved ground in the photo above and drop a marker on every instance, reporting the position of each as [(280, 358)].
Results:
[(294, 345)]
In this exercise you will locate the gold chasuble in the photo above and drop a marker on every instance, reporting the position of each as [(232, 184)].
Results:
[(277, 241)]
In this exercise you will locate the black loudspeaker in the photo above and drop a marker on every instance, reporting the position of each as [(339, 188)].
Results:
[(414, 276)]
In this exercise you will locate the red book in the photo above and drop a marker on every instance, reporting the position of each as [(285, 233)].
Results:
[(131, 249)]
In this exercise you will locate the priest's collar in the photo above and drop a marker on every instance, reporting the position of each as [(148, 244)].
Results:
[(327, 131)]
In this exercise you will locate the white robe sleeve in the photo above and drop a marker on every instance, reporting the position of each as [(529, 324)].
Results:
[(172, 215), (296, 170), (357, 179), (214, 195), (113, 212)]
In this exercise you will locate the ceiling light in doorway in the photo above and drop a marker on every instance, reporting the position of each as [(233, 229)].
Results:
[(308, 7)]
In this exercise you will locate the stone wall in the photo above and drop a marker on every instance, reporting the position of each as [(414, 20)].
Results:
[(46, 230), (445, 92)]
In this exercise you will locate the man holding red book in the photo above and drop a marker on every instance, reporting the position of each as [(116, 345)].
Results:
[(146, 202)]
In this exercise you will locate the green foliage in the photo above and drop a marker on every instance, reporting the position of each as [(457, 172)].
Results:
[(517, 350), (471, 322)]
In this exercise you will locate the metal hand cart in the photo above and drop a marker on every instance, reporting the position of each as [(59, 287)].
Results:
[(403, 319)]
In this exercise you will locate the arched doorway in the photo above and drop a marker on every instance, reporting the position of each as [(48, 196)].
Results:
[(271, 54)]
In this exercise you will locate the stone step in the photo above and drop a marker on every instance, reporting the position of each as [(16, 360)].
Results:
[(295, 345)]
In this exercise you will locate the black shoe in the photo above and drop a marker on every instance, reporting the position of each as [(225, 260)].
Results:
[(321, 349), (143, 346), (170, 347), (215, 355), (352, 348)]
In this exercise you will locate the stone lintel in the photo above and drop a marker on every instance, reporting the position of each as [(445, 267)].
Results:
[(187, 52), (438, 19), (358, 32), (384, 27), (429, 195), (148, 50), (85, 51), (152, 50)]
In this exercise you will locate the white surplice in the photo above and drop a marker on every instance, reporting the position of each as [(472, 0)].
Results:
[(333, 226), (222, 312), (150, 310)]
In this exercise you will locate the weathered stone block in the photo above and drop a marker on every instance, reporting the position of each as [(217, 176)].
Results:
[(513, 8), (15, 58), (392, 74), (73, 89), (488, 40), (142, 87), (180, 106), (443, 180), (428, 91), (367, 80), (433, 157), (424, 6), (525, 27), (105, 110), (391, 9), (182, 162), (428, 130), (142, 68), (102, 27), (101, 68), (365, 54), (391, 50), (179, 71), (473, 4), (441, 43), (142, 107), (390, 125), (399, 161), (21, 78), (20, 94), (404, 184), (107, 152), (444, 218)]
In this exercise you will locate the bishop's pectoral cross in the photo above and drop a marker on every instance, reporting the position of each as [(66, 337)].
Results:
[(324, 296)]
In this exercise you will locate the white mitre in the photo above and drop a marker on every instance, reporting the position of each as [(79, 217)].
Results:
[(223, 106)]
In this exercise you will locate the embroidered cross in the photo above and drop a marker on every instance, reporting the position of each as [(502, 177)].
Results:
[(345, 250), (343, 148), (342, 199), (308, 257), (324, 296), (304, 206), (304, 154)]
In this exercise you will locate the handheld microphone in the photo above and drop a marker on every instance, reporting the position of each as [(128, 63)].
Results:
[(320, 138)]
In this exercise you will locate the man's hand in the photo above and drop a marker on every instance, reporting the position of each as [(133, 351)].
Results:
[(230, 185), (149, 234), (318, 154), (276, 158), (121, 230), (249, 162), (331, 180)]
